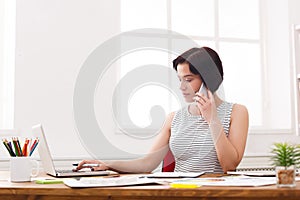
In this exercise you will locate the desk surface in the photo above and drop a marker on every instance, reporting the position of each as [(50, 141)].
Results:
[(30, 190)]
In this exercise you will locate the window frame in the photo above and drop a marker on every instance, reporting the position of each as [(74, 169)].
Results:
[(263, 134), (217, 39)]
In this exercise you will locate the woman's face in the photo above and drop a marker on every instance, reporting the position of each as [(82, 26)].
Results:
[(189, 83)]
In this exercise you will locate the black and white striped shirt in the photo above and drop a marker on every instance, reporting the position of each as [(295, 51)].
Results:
[(191, 142)]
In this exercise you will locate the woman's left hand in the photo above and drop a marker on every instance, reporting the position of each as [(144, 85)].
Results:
[(206, 105)]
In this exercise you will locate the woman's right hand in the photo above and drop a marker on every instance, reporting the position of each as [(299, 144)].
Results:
[(83, 164)]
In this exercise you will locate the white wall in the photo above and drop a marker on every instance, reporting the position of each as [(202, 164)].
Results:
[(53, 39), (1, 55)]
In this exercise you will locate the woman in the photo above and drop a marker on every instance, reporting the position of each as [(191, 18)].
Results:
[(208, 135)]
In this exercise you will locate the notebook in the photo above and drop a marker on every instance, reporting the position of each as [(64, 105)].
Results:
[(47, 161), (256, 171)]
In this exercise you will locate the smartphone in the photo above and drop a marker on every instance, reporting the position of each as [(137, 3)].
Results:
[(203, 90)]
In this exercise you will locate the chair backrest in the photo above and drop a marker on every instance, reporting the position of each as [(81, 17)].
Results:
[(168, 163)]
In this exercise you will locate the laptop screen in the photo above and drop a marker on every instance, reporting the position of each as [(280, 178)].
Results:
[(47, 160), (43, 150)]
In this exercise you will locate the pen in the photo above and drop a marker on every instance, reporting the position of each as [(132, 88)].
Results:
[(19, 147), (86, 165), (17, 150), (7, 146), (11, 149), (33, 146), (24, 150)]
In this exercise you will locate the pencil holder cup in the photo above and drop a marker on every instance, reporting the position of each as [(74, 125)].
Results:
[(22, 169)]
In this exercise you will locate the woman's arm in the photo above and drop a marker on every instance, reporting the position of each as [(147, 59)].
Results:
[(229, 149), (145, 164)]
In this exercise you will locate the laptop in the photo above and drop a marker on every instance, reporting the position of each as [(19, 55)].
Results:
[(47, 161)]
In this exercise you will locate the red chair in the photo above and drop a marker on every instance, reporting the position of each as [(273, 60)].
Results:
[(168, 163)]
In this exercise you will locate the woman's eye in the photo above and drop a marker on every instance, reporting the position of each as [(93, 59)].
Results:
[(188, 80)]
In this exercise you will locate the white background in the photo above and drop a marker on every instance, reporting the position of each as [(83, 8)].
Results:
[(53, 39)]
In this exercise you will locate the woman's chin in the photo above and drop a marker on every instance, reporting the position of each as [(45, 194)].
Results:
[(188, 100)]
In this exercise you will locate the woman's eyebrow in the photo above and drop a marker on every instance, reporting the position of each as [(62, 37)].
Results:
[(188, 75)]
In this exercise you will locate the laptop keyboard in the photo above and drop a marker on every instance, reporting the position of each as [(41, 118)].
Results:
[(65, 171)]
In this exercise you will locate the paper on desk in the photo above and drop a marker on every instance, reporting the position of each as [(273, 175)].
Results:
[(108, 182), (173, 175), (252, 173), (229, 181), (256, 172)]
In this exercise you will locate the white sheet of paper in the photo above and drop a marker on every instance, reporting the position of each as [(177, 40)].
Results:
[(173, 175), (108, 182), (229, 181)]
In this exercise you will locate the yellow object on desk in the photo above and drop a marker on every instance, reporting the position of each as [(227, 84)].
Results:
[(49, 181), (183, 185)]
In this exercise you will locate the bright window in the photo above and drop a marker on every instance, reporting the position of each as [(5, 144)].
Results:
[(7, 62), (252, 37), (241, 32), (193, 17)]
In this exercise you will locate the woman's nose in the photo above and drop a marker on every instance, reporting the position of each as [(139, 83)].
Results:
[(183, 85)]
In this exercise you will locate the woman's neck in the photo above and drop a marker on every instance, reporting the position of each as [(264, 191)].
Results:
[(218, 101)]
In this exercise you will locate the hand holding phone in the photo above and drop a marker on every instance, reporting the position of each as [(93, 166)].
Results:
[(203, 90)]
